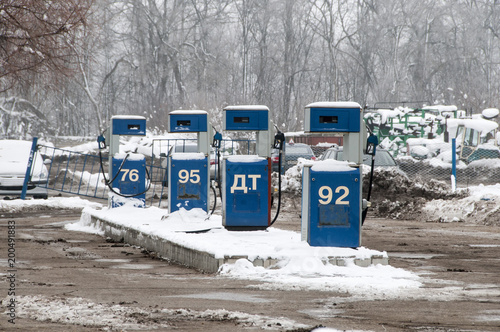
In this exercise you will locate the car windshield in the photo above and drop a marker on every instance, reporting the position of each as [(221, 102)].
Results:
[(297, 149), (382, 158)]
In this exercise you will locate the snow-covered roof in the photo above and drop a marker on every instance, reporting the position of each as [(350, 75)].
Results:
[(125, 117), (334, 104), (247, 108), (483, 126), (441, 108), (188, 112)]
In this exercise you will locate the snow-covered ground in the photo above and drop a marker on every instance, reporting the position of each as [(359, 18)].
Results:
[(300, 267), (303, 270)]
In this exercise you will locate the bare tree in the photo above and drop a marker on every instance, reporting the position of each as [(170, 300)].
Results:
[(32, 34)]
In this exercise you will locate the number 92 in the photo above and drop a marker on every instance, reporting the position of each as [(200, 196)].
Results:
[(326, 195)]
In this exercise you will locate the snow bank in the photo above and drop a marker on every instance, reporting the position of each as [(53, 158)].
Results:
[(480, 206)]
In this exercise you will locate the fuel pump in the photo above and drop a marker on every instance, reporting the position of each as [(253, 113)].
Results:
[(189, 173), (246, 195), (331, 189), (127, 171)]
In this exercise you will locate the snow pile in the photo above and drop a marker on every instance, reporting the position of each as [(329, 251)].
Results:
[(79, 311), (298, 265), (481, 206), (244, 319), (291, 181), (394, 194)]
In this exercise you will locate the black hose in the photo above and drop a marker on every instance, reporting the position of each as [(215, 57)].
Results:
[(219, 174), (279, 189), (215, 199), (109, 183), (365, 211)]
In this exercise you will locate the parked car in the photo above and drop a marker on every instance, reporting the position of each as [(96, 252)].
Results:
[(275, 161), (291, 153), (14, 156), (382, 158)]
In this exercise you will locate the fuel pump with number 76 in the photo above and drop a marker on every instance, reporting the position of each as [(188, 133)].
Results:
[(127, 171)]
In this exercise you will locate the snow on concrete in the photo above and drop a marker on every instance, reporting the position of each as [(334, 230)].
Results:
[(299, 267), (271, 243), (112, 317), (17, 205)]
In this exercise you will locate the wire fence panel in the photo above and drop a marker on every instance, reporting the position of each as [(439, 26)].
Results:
[(438, 165), (84, 174), (74, 172)]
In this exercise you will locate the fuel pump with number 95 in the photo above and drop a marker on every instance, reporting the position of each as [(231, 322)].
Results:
[(189, 173)]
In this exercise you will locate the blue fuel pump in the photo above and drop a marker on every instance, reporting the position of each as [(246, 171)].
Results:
[(189, 173), (127, 171), (331, 190), (246, 195)]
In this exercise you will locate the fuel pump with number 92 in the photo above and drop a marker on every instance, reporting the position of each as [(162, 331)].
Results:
[(331, 189)]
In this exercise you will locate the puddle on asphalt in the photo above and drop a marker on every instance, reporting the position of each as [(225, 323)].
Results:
[(238, 297), (484, 245), (59, 223), (322, 313), (133, 266), (113, 260), (489, 316), (412, 255)]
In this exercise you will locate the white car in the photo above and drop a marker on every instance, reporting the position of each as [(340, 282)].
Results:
[(14, 156)]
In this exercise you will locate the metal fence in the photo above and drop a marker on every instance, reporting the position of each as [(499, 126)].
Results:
[(74, 172), (485, 171), (85, 174), (437, 163)]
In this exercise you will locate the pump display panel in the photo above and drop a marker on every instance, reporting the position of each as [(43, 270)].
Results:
[(188, 121)]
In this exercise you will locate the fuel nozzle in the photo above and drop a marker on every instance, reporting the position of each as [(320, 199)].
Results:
[(217, 140), (101, 142), (279, 139), (371, 144)]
